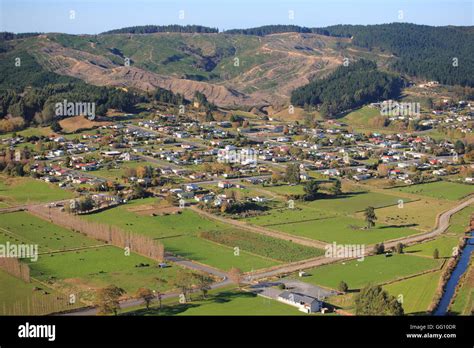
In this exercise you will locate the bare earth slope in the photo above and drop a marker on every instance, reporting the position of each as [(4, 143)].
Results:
[(233, 70)]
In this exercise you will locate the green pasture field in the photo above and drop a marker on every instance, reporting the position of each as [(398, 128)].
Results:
[(22, 190), (264, 246), (21, 227), (440, 189), (179, 234), (345, 230), (374, 269), (417, 292), (228, 302), (445, 246), (98, 267)]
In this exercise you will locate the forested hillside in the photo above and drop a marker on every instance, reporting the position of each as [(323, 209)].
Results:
[(348, 87), (149, 29)]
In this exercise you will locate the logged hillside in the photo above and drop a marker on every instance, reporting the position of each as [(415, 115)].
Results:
[(231, 70), (249, 67)]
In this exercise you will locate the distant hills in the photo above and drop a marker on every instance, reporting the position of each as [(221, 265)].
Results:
[(239, 67)]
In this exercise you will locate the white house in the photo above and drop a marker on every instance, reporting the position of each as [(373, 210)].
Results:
[(304, 303)]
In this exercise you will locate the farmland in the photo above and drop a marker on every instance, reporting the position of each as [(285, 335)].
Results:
[(94, 268), (374, 269), (262, 245), (440, 189), (445, 245), (21, 227), (180, 235), (226, 302), (417, 292), (23, 190), (344, 230)]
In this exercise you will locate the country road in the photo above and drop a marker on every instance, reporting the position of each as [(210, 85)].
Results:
[(441, 226)]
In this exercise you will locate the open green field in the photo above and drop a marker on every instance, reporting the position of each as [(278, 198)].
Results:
[(360, 119), (460, 221), (265, 246), (344, 230), (22, 190), (286, 189), (417, 292), (228, 302), (421, 214), (445, 246), (350, 203), (374, 269), (440, 189), (180, 235), (21, 227), (94, 268), (280, 214)]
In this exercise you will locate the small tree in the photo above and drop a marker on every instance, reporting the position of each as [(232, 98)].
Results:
[(204, 283), (436, 254), (56, 127), (399, 248), (336, 188), (183, 281), (311, 190), (235, 274), (379, 248), (343, 287), (146, 295), (292, 174), (370, 217), (107, 299)]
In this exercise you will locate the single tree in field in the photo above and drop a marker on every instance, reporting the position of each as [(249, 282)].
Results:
[(203, 283), (159, 294), (370, 217), (336, 188), (436, 254), (373, 300), (399, 248), (236, 275), (311, 190), (183, 281), (343, 287), (292, 174), (107, 299), (146, 295)]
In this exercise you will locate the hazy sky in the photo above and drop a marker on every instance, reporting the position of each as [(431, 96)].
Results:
[(95, 16)]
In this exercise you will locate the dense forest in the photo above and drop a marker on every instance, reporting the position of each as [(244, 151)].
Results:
[(348, 87), (149, 29), (444, 54)]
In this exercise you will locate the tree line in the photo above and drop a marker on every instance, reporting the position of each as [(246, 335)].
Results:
[(174, 28)]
